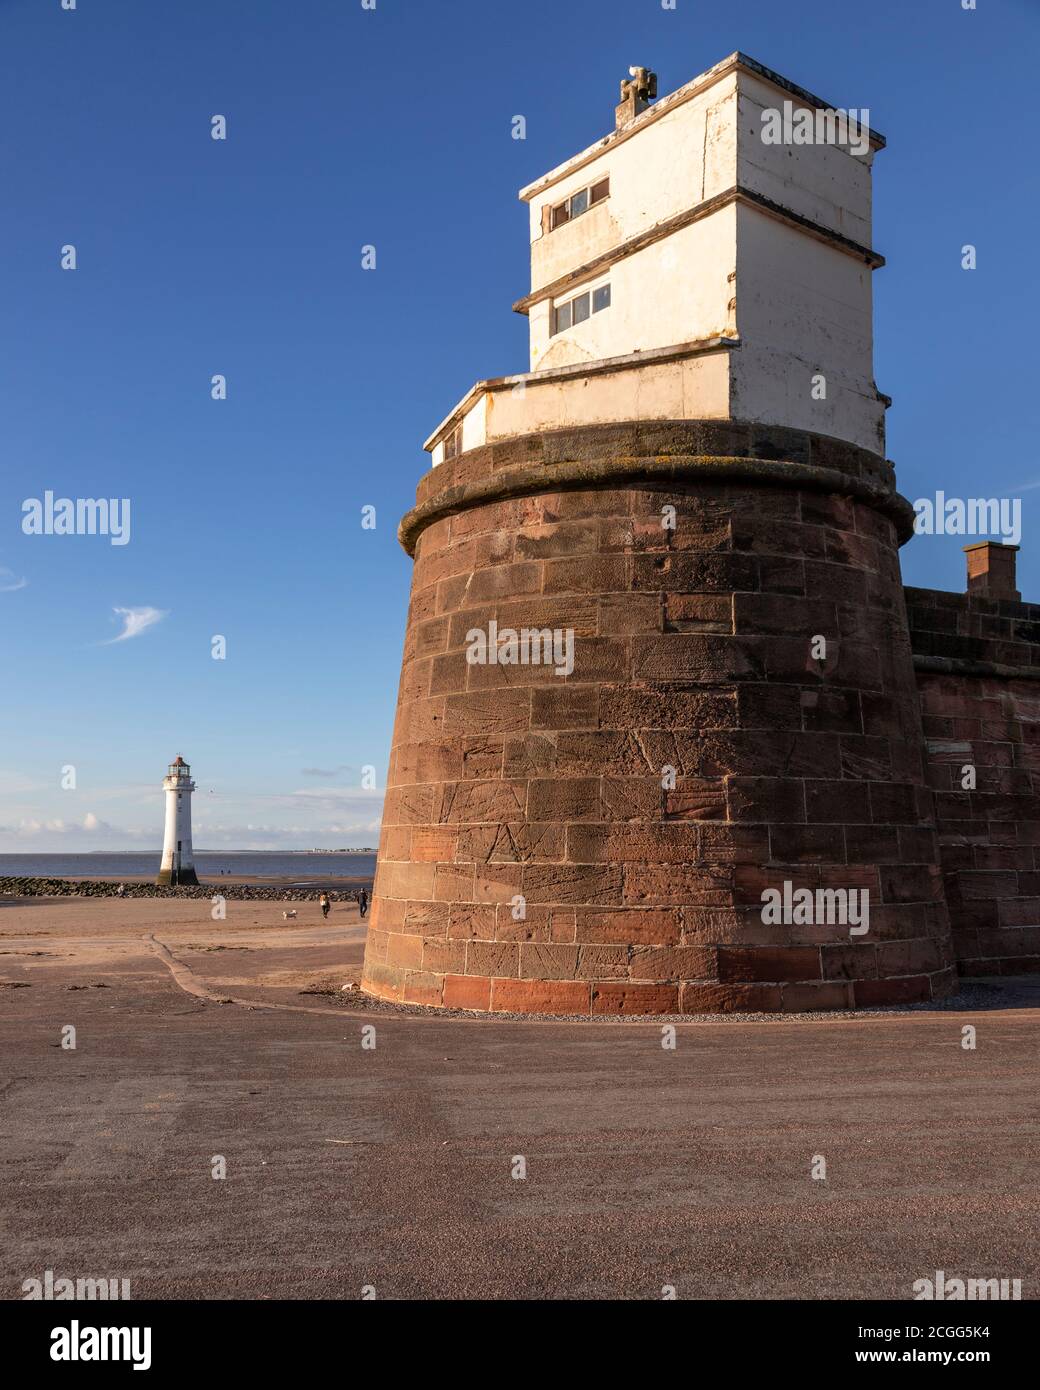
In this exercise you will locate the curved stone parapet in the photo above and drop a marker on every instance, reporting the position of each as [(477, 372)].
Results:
[(713, 799)]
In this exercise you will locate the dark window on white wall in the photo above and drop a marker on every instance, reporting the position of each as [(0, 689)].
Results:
[(579, 202), (453, 443), (560, 215), (578, 309)]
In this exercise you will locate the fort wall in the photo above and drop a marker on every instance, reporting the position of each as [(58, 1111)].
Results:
[(978, 674), (699, 754)]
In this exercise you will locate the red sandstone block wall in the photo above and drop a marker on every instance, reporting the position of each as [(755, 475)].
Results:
[(692, 651), (990, 836)]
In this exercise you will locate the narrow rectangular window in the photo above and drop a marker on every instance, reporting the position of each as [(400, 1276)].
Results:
[(561, 317), (578, 203), (580, 308), (601, 298)]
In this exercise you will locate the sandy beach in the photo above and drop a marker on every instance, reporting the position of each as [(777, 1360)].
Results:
[(255, 947)]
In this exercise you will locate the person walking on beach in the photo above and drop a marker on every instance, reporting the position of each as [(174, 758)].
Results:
[(324, 903), (362, 902)]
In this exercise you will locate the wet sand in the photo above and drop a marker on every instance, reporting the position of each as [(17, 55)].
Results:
[(81, 936)]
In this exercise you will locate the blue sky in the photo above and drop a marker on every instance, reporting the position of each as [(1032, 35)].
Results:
[(389, 127)]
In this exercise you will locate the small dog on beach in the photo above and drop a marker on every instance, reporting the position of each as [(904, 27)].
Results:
[(287, 915)]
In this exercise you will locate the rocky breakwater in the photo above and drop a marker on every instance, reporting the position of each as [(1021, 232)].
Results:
[(70, 888)]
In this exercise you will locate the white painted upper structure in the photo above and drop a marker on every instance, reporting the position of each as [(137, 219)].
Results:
[(709, 259)]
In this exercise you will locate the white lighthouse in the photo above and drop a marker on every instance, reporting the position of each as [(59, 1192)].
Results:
[(178, 865)]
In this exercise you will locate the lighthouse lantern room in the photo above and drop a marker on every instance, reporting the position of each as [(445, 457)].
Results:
[(178, 865)]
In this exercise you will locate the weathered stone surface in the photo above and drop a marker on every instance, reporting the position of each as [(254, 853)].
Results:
[(602, 840), (973, 718)]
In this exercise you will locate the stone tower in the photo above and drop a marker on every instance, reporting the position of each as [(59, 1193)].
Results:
[(178, 863), (657, 744)]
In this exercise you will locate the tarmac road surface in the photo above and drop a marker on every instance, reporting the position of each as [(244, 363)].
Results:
[(393, 1166)]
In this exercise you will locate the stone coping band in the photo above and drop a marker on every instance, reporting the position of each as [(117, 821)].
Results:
[(574, 475), (963, 666)]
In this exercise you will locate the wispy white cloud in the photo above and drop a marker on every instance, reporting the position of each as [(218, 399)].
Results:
[(354, 801), (34, 827), (136, 621), (130, 816), (9, 581), (17, 783), (42, 834)]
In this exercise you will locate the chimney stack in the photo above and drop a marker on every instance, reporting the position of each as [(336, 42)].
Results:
[(991, 570), (637, 92)]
